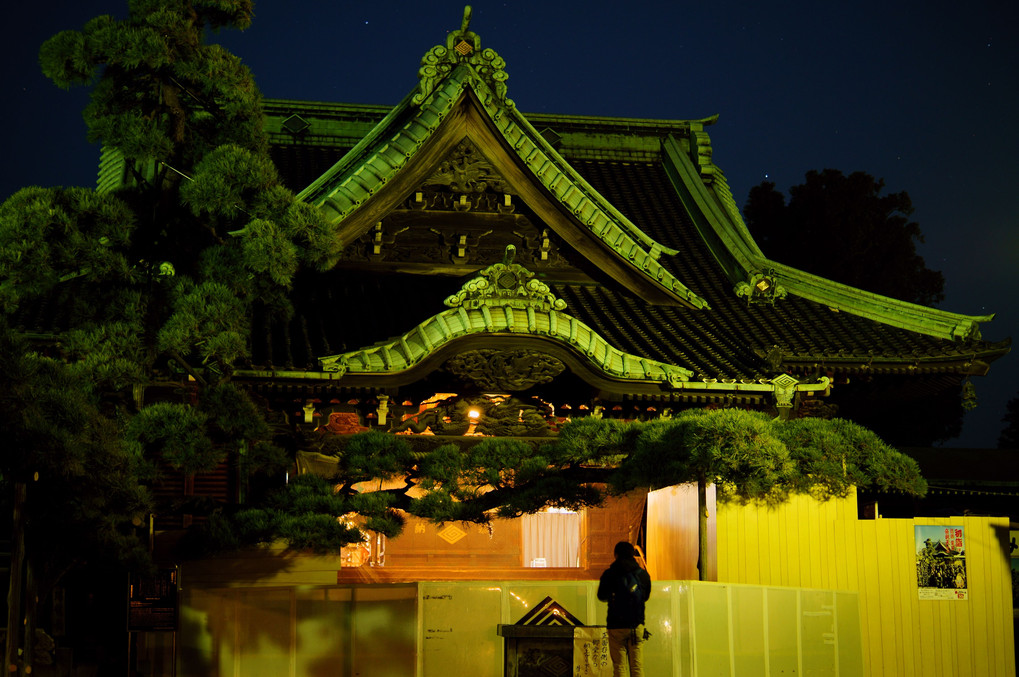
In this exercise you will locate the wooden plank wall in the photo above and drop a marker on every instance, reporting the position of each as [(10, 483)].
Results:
[(813, 544), (421, 554)]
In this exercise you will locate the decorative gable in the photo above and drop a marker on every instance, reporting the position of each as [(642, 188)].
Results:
[(459, 133), (508, 285)]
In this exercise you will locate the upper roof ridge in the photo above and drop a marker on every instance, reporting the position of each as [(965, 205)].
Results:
[(462, 47)]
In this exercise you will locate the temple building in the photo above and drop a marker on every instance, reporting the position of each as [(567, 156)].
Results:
[(535, 268), (569, 261), (503, 273)]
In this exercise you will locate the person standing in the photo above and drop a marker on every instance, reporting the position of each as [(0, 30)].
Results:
[(626, 587)]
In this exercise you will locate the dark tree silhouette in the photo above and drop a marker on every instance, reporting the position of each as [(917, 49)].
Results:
[(843, 228), (1009, 437)]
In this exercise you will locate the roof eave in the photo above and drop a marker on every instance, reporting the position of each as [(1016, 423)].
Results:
[(741, 258)]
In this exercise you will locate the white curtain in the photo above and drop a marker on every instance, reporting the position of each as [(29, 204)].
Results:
[(551, 539)]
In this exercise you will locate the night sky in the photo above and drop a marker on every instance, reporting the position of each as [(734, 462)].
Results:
[(924, 95)]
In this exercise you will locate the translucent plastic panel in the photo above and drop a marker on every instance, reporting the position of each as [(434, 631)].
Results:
[(458, 633), (155, 654), (850, 639), (711, 630), (573, 597), (323, 631), (748, 624), (263, 633), (451, 629), (817, 638), (207, 633), (783, 631), (667, 616), (384, 631)]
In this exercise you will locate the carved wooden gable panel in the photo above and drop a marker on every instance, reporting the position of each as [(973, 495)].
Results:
[(463, 215)]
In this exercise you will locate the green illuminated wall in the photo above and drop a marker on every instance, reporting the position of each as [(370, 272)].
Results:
[(446, 629)]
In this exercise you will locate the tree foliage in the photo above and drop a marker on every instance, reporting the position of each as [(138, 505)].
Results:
[(1009, 437), (140, 300), (747, 455), (84, 498), (843, 228), (751, 457)]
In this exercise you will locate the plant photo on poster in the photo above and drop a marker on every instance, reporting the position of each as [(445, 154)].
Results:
[(940, 562)]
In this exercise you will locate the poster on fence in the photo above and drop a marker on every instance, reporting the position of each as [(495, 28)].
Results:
[(941, 562), (591, 652)]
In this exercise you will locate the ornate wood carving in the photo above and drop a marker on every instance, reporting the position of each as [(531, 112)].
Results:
[(344, 423), (505, 370), (466, 170), (474, 239), (463, 215), (495, 417), (462, 46)]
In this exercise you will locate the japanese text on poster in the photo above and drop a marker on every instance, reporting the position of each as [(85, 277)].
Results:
[(591, 652)]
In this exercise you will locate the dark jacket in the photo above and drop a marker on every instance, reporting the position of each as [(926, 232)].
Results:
[(624, 610)]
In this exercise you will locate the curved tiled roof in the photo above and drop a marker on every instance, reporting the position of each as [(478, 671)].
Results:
[(390, 148), (723, 226), (646, 191), (408, 349), (729, 340)]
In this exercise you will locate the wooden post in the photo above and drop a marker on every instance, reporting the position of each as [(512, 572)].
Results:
[(31, 606), (702, 529), (14, 615)]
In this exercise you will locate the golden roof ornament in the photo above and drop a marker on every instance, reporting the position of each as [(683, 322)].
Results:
[(462, 46)]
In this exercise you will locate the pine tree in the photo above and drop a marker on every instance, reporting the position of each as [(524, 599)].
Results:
[(157, 282), (748, 456), (139, 300)]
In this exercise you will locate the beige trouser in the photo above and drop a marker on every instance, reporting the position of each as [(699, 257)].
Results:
[(626, 647)]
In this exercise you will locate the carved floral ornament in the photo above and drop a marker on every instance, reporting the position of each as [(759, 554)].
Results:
[(462, 47), (506, 284)]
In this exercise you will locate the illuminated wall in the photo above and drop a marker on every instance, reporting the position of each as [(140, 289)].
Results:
[(274, 632), (446, 629), (672, 538), (442, 552), (812, 544)]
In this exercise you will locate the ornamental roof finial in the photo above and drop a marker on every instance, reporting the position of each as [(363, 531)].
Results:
[(462, 47)]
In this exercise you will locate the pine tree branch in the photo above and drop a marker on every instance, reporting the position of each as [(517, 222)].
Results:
[(190, 370), (211, 110)]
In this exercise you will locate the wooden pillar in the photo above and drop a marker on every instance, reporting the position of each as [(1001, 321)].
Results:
[(15, 621), (702, 529)]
